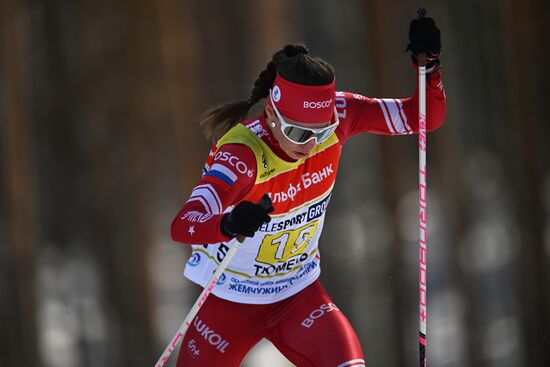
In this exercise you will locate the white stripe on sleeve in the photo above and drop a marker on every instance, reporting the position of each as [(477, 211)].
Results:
[(388, 121), (215, 195), (404, 116), (395, 115), (207, 195), (203, 202)]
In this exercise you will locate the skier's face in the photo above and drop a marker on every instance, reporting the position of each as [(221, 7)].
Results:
[(293, 150)]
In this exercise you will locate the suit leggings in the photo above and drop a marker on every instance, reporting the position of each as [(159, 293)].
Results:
[(307, 328)]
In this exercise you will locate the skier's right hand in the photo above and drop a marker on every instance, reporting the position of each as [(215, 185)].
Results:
[(246, 218)]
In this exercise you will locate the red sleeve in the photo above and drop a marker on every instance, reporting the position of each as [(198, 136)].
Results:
[(389, 116), (228, 175)]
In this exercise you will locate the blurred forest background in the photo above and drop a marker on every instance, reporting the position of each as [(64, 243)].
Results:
[(100, 146)]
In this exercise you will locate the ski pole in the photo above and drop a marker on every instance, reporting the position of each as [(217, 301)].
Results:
[(265, 202), (422, 201)]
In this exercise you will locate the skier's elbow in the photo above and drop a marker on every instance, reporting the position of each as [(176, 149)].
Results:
[(176, 233), (436, 119), (436, 124)]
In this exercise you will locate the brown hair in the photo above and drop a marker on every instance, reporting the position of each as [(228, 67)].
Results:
[(293, 63)]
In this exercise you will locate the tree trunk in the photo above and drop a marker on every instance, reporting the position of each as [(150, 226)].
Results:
[(18, 340)]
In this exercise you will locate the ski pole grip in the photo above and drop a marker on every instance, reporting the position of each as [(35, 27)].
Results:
[(267, 205), (422, 57)]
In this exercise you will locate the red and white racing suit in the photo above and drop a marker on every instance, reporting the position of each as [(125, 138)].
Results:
[(270, 288)]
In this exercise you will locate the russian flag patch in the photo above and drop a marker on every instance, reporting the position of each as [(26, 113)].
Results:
[(222, 173)]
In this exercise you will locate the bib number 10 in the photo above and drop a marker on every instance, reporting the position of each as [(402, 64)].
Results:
[(282, 246)]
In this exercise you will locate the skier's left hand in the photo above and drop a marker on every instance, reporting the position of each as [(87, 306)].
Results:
[(425, 37)]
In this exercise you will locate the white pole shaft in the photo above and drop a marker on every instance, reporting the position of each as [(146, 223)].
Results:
[(423, 214), (198, 304)]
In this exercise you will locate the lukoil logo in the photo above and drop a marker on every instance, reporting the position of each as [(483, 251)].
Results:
[(210, 335), (194, 260), (276, 93), (315, 105)]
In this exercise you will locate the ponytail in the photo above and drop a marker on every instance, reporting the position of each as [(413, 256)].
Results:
[(217, 120), (292, 63)]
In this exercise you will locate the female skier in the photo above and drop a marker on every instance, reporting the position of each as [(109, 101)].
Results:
[(271, 288)]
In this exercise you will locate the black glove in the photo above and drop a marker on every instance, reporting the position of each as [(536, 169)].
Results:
[(425, 37), (246, 218)]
